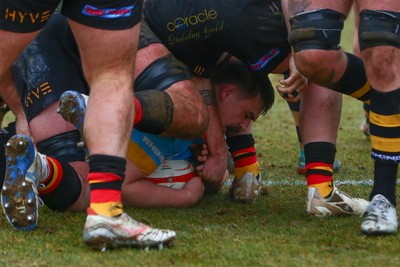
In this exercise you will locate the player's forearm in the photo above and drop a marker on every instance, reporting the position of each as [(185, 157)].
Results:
[(11, 97), (9, 93), (215, 135), (286, 13), (145, 194)]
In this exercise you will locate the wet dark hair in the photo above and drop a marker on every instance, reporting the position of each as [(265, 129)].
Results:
[(249, 83)]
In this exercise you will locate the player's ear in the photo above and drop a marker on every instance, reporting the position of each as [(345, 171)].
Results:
[(227, 90)]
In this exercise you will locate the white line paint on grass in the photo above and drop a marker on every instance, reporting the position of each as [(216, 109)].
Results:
[(368, 182), (303, 183)]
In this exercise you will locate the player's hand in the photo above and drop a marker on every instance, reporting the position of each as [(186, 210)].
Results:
[(209, 166), (213, 168), (200, 152), (292, 87)]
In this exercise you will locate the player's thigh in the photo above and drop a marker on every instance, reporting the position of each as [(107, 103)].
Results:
[(390, 5), (107, 34), (20, 22), (105, 51), (12, 45), (342, 6), (41, 128)]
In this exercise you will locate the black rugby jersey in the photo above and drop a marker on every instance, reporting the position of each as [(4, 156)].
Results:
[(199, 31)]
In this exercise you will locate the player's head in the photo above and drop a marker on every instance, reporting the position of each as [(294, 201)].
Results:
[(241, 95)]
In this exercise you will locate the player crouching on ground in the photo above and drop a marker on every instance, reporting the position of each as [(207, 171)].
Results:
[(234, 87)]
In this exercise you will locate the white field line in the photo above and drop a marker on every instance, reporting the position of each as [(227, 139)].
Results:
[(368, 182)]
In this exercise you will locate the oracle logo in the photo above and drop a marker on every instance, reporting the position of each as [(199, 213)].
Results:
[(201, 17)]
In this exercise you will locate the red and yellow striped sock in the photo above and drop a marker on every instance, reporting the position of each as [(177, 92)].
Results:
[(245, 160), (319, 175), (243, 154), (54, 178), (105, 194)]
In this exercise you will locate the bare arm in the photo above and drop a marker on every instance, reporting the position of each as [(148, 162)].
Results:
[(213, 169), (292, 87), (11, 46), (138, 191), (12, 99), (146, 194), (286, 13)]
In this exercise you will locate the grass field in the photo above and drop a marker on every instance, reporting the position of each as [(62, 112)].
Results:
[(274, 231)]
